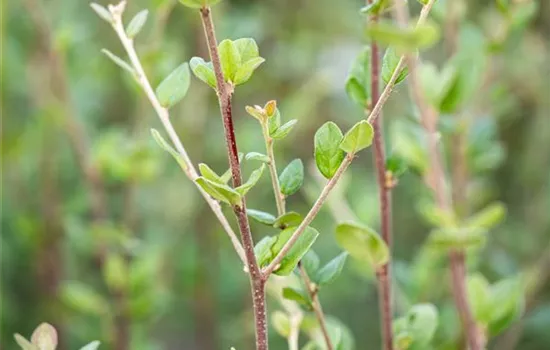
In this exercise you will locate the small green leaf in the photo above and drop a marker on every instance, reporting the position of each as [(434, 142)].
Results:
[(284, 130), (328, 155), (118, 61), (252, 180), (115, 272), (298, 250), (230, 59), (422, 323), (292, 177), (437, 216), (457, 238), (245, 70), (358, 137), (256, 112), (81, 297), (358, 83), (257, 156), (219, 191), (261, 216), (310, 263), (362, 243), (24, 343), (417, 37), (396, 165), (376, 7), (274, 122), (508, 304), (488, 217), (203, 70), (44, 337), (288, 219), (247, 48), (263, 251), (102, 12), (174, 87), (296, 295), (197, 4), (389, 64), (91, 346), (137, 23), (328, 273), (165, 146), (281, 323), (210, 174), (479, 296)]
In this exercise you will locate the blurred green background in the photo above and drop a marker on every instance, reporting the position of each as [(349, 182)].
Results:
[(65, 105)]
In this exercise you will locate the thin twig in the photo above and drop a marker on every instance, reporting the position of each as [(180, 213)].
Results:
[(225, 92), (436, 180), (279, 197), (164, 117)]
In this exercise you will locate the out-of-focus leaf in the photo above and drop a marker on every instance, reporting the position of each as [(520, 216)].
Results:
[(489, 217), (197, 4), (44, 337), (102, 12), (297, 296), (281, 323), (310, 263), (412, 38), (115, 272), (91, 346), (358, 83), (81, 297), (174, 87), (479, 296), (24, 343), (137, 23), (508, 303)]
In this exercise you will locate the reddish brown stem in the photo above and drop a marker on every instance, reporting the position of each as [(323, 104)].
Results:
[(225, 91)]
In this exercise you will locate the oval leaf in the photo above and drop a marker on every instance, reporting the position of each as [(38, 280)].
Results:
[(298, 250), (328, 154), (230, 59), (137, 23), (204, 71), (219, 191), (289, 219), (362, 243), (174, 87), (284, 130), (261, 216), (328, 273), (292, 177), (252, 180), (358, 137), (389, 64)]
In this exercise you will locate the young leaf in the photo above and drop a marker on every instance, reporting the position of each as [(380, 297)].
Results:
[(358, 137), (295, 254), (389, 64), (508, 304), (288, 219), (219, 191), (436, 216), (358, 83), (115, 272), (284, 130), (328, 273), (197, 4), (247, 48), (252, 180), (257, 156), (362, 243), (174, 87), (82, 297), (245, 70), (296, 295), (263, 251), (137, 23), (412, 38), (261, 216), (328, 155), (422, 323), (102, 12), (44, 337), (230, 59), (310, 263), (91, 346), (292, 177), (488, 217), (479, 296), (274, 122), (457, 238), (210, 174), (165, 146), (24, 343), (256, 112), (118, 61), (281, 323), (204, 71)]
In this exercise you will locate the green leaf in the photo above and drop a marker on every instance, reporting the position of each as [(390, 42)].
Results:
[(263, 251), (281, 323), (310, 263), (457, 238), (174, 87), (91, 346), (115, 272), (328, 155), (219, 191), (118, 61), (437, 84), (358, 83), (288, 219), (252, 180), (284, 130), (358, 137), (261, 216), (297, 296), (437, 216), (507, 304), (230, 59), (488, 217), (274, 122), (403, 340), (210, 174), (102, 12), (362, 243), (298, 250), (44, 337), (81, 297), (412, 38), (247, 48), (165, 146), (245, 70), (203, 70), (479, 297), (396, 165), (257, 156), (292, 177), (197, 4), (24, 343), (376, 7), (137, 23), (389, 64), (328, 273), (422, 323)]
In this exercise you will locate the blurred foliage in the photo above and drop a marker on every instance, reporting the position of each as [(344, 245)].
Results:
[(157, 243)]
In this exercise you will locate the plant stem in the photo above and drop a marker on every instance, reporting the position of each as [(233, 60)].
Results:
[(279, 197), (436, 180), (384, 195), (316, 305), (164, 117), (225, 91)]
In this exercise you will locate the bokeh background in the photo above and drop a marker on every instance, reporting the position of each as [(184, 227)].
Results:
[(66, 106)]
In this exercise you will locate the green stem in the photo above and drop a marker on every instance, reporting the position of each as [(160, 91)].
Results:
[(279, 197)]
